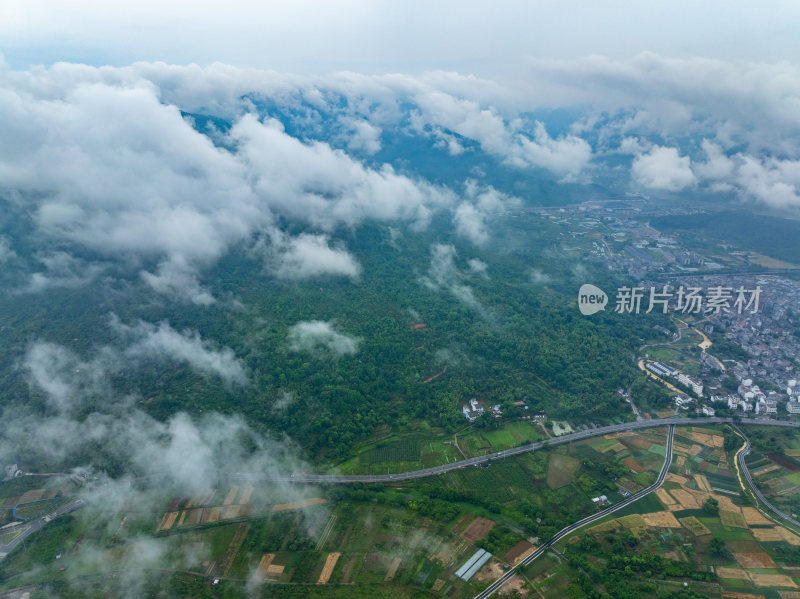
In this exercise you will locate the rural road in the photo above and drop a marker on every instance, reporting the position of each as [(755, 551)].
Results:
[(751, 483), (588, 520), (436, 470)]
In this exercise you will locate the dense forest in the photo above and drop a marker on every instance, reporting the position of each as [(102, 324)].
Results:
[(515, 337)]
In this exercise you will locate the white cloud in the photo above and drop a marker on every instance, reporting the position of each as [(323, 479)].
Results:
[(311, 256), (444, 274), (364, 136), (6, 251), (470, 223), (148, 341), (315, 335), (60, 270), (663, 168)]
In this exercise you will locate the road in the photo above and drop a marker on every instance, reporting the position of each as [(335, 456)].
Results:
[(28, 528), (588, 520), (444, 468), (751, 483)]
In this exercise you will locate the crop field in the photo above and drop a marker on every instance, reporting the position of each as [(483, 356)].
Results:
[(407, 450), (679, 527), (560, 470)]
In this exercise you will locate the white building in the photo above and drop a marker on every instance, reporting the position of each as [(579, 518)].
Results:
[(793, 406), (707, 410), (472, 410)]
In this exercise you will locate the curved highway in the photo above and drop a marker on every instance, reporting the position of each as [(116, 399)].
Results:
[(436, 470), (588, 520), (751, 483)]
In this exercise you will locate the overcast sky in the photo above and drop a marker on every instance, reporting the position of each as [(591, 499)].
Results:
[(411, 36)]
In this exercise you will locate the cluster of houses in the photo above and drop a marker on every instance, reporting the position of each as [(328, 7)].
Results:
[(473, 410), (750, 398), (662, 370)]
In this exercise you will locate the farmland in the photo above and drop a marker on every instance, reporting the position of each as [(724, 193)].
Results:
[(409, 536), (723, 547)]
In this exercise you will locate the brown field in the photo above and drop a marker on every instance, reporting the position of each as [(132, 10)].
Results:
[(231, 495), (789, 594), (702, 483), (772, 580), (32, 495), (438, 585), (753, 516), (694, 526), (183, 515), (195, 515), (695, 449), (754, 560), (265, 563), (706, 439), (246, 494), (726, 503), (768, 262), (518, 552), (792, 453), (168, 520), (662, 519), (687, 500), (393, 569), (680, 461), (639, 442), (734, 573), (665, 497), (790, 537), (294, 505), (734, 519), (766, 469), (633, 464), (478, 529), (775, 533), (676, 478), (767, 534), (680, 448), (783, 461), (232, 511), (330, 564), (211, 514), (737, 595)]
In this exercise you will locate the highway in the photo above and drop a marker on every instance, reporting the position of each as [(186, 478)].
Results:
[(588, 520), (751, 483), (303, 478), (28, 528)]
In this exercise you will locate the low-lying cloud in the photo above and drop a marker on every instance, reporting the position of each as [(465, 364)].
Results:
[(318, 336)]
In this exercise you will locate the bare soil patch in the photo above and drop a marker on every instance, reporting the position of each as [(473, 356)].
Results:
[(662, 519), (754, 560), (753, 516), (733, 573), (327, 569), (518, 552), (478, 529), (633, 464)]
